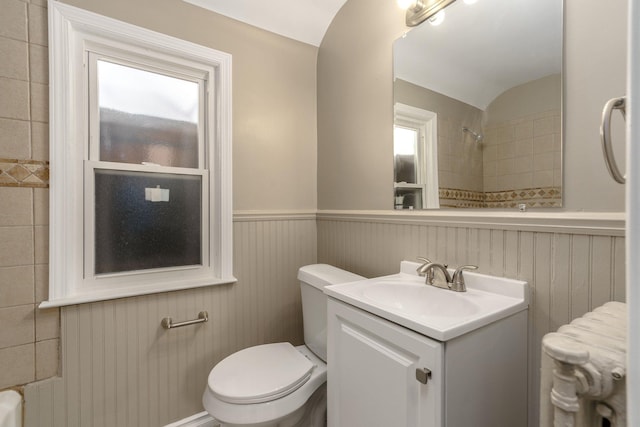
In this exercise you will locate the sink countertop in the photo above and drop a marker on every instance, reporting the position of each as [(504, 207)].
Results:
[(440, 314)]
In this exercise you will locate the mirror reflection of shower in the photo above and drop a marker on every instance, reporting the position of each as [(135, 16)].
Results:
[(478, 136)]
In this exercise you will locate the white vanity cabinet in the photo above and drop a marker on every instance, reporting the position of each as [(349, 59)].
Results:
[(378, 373)]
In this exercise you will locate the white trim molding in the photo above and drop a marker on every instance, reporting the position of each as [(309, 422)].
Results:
[(302, 215), (592, 223)]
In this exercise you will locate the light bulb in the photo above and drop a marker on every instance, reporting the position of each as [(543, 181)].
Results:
[(405, 4), (437, 19)]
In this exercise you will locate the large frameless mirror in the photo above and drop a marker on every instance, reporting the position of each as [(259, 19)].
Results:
[(478, 107)]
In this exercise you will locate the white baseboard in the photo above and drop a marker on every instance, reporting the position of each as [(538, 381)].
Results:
[(202, 419)]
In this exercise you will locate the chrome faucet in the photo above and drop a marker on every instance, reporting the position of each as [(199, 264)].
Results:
[(433, 282), (425, 272), (455, 283)]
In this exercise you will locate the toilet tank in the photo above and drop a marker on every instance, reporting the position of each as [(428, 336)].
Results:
[(313, 278)]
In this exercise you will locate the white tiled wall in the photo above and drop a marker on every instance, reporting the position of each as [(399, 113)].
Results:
[(523, 153), (459, 156)]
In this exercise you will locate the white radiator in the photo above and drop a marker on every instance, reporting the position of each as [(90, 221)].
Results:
[(583, 371)]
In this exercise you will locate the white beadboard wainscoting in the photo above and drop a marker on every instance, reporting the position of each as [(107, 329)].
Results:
[(573, 262), (119, 367)]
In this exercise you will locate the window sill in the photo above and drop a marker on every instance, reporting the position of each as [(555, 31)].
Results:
[(129, 292)]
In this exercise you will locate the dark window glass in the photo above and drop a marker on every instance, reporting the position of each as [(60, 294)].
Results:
[(145, 220)]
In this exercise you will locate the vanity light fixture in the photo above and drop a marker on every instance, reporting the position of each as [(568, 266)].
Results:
[(406, 4), (437, 19), (419, 11)]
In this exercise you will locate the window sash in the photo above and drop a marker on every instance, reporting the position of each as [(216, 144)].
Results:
[(90, 279), (144, 64)]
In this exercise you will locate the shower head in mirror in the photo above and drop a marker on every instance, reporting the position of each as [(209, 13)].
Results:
[(478, 136)]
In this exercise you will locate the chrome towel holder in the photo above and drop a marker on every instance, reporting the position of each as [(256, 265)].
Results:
[(605, 136), (167, 322)]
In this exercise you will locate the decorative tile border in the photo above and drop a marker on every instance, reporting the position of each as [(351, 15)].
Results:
[(526, 194), (456, 198), (24, 173), (528, 203), (461, 204), (544, 197), (456, 194)]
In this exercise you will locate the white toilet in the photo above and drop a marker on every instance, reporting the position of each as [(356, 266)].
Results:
[(279, 384)]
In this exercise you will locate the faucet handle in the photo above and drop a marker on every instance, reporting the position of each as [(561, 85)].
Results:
[(458, 273), (457, 281), (427, 273), (420, 270)]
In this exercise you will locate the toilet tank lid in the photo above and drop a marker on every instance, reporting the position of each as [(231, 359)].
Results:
[(321, 275)]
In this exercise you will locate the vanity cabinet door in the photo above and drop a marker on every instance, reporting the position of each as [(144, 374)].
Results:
[(376, 372)]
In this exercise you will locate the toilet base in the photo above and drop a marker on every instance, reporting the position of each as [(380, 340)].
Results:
[(312, 414)]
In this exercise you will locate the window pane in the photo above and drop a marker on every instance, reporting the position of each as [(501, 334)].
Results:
[(405, 142), (147, 117), (145, 220), (408, 198)]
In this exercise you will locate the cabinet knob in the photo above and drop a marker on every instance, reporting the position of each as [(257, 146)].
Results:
[(423, 375)]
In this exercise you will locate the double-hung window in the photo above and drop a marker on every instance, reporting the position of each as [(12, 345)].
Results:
[(415, 146), (140, 159)]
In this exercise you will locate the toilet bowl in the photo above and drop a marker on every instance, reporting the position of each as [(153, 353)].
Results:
[(279, 384)]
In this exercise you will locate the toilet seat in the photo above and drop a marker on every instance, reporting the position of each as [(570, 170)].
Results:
[(257, 413), (260, 374)]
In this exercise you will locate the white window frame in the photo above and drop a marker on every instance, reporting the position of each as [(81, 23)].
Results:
[(426, 122), (73, 34)]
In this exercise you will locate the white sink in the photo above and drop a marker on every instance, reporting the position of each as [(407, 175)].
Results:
[(441, 314), (416, 299)]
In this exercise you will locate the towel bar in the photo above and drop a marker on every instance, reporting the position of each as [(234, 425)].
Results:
[(167, 322)]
